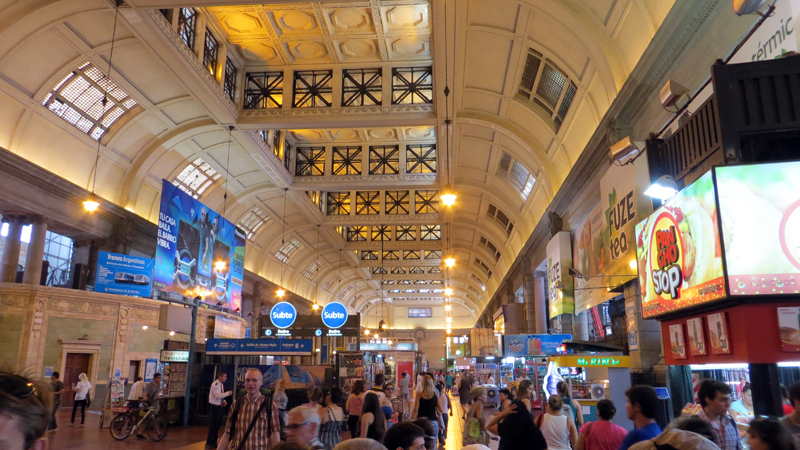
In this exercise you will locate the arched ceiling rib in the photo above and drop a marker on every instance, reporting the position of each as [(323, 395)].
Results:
[(177, 120)]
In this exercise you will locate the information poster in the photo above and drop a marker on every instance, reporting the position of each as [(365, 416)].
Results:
[(760, 215), (676, 343), (678, 252), (718, 331), (789, 323), (124, 274), (198, 252), (697, 341), (117, 390)]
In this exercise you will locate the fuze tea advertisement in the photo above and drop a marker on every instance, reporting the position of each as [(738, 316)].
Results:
[(678, 252), (589, 260), (760, 216), (605, 246), (191, 238), (560, 284)]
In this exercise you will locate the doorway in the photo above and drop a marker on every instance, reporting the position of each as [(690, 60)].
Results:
[(76, 364), (133, 371)]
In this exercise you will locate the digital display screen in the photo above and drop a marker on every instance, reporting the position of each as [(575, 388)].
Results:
[(760, 216), (679, 255)]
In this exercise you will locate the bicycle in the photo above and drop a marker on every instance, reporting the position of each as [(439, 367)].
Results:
[(124, 423)]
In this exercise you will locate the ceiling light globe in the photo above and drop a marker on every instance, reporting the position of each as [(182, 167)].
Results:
[(449, 319), (366, 332), (450, 262), (449, 199), (315, 306), (376, 336), (280, 292), (448, 307), (220, 265), (448, 292)]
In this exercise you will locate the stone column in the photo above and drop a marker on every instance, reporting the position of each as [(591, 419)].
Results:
[(529, 286), (540, 307), (33, 264), (581, 327), (8, 271), (648, 333), (509, 293)]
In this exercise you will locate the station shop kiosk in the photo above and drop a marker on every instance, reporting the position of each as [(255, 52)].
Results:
[(592, 377)]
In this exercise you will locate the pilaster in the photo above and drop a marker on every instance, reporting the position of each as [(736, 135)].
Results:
[(33, 263)]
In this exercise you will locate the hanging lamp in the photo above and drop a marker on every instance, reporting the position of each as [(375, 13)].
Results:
[(281, 291), (315, 306), (91, 204), (220, 265)]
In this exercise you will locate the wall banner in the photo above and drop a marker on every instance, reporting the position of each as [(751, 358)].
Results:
[(124, 274), (192, 239), (561, 286)]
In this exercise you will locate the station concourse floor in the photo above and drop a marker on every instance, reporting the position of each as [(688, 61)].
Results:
[(92, 437)]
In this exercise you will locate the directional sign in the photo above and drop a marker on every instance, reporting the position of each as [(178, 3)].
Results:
[(295, 347), (592, 361)]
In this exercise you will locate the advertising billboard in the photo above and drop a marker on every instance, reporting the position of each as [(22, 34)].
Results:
[(124, 274), (534, 344), (678, 252), (191, 239), (589, 260), (560, 284), (760, 217)]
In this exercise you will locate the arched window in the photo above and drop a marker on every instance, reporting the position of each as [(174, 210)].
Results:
[(78, 99)]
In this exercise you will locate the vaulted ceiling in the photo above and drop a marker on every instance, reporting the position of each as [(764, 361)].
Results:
[(529, 81)]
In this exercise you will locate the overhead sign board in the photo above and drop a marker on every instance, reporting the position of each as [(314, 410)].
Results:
[(592, 361), (297, 347), (306, 325), (227, 328), (400, 346), (534, 344), (192, 239), (124, 274), (173, 356)]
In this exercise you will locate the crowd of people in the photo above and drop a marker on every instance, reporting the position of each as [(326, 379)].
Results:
[(260, 420)]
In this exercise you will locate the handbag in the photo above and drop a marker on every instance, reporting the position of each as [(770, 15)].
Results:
[(474, 433)]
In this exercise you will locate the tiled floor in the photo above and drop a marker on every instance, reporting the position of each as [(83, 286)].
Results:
[(92, 437)]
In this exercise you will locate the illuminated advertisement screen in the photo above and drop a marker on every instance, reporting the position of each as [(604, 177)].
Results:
[(678, 252), (760, 217), (198, 251)]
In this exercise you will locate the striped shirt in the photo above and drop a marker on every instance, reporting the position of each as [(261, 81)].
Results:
[(259, 437), (725, 432)]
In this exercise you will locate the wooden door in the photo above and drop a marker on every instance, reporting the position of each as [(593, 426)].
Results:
[(76, 364), (133, 371)]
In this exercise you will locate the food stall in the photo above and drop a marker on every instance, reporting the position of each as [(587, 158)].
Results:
[(526, 358), (592, 377), (718, 257)]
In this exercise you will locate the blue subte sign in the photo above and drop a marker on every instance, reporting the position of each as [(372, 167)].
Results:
[(334, 315), (283, 315)]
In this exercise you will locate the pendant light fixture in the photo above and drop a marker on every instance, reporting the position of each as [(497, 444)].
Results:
[(315, 306), (220, 265), (91, 204), (449, 196), (280, 290)]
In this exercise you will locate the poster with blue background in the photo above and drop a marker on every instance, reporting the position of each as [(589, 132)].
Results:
[(534, 344), (124, 274), (191, 239)]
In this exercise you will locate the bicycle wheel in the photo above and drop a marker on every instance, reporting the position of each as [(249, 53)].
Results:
[(121, 427), (157, 429)]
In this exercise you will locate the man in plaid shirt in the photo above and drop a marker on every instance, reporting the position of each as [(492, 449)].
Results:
[(715, 398), (264, 434)]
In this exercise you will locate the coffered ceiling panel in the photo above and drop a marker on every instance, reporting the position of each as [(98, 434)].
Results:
[(314, 32)]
